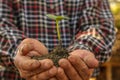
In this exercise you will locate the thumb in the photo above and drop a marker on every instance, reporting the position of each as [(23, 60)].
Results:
[(28, 45), (24, 49)]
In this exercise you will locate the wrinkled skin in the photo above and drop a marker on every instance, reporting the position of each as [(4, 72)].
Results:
[(78, 66), (31, 69)]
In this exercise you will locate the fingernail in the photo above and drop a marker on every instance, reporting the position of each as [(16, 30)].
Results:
[(21, 48), (36, 63), (63, 63), (53, 71), (72, 58), (60, 71), (47, 64)]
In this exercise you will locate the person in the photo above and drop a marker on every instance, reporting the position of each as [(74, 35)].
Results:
[(26, 31)]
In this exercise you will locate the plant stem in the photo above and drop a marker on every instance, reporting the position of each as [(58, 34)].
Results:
[(58, 31)]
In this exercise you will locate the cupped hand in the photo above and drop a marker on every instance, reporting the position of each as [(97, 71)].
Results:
[(79, 66), (32, 69), (29, 44)]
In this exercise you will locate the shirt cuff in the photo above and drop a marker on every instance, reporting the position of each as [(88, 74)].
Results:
[(77, 45)]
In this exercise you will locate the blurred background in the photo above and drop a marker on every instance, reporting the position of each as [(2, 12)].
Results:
[(111, 69)]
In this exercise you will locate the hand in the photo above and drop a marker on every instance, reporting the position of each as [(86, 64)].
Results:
[(31, 69), (60, 75), (32, 47), (79, 66)]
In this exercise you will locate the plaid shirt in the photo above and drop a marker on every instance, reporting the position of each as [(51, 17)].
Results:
[(90, 27)]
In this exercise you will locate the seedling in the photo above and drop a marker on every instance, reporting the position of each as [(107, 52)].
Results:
[(57, 19), (58, 52)]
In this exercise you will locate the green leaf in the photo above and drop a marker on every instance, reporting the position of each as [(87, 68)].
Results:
[(56, 17), (52, 16), (62, 17)]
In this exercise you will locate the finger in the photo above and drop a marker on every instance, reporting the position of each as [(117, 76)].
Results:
[(26, 69), (61, 74), (69, 70), (32, 44), (91, 61), (87, 56), (80, 66), (39, 47), (26, 49), (54, 78), (33, 67), (47, 74), (25, 63), (33, 53)]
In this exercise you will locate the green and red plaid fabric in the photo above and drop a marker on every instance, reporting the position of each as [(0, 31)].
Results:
[(90, 26)]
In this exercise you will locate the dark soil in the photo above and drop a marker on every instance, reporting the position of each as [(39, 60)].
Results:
[(55, 55)]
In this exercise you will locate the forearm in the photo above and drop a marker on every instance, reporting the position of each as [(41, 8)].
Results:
[(96, 30)]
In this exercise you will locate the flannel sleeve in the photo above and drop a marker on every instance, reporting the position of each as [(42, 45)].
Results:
[(10, 35), (95, 31)]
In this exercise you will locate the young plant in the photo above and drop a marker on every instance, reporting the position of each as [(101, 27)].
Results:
[(58, 52), (57, 19)]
